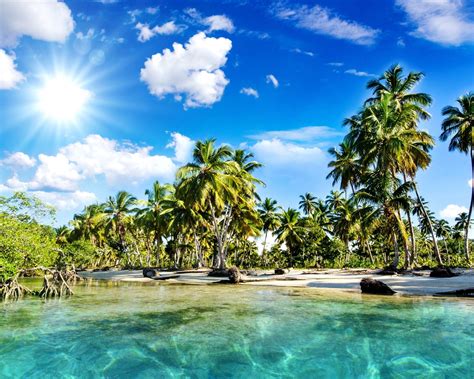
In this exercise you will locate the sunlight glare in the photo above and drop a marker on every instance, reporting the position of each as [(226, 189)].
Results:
[(62, 99)]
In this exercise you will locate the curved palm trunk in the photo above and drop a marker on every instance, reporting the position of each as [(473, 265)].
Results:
[(396, 256), (430, 225), (466, 237)]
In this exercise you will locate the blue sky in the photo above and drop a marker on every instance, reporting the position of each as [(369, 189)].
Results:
[(275, 77)]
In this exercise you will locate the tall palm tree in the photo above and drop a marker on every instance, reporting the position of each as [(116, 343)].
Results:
[(399, 86), (268, 211), (152, 216), (118, 209), (215, 183), (290, 231), (443, 230), (346, 167), (89, 223), (308, 204), (459, 126)]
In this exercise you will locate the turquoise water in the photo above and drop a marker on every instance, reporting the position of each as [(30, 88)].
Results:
[(162, 330)]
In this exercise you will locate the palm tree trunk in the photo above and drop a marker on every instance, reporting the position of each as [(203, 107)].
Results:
[(396, 256), (264, 248), (466, 237), (433, 236)]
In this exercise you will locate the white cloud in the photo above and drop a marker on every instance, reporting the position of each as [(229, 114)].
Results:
[(270, 78), (18, 160), (88, 35), (192, 70), (441, 21), (152, 10), (452, 211), (219, 22), (307, 133), (470, 183), (249, 92), (183, 147), (9, 76), (146, 33), (214, 23), (66, 200), (299, 51), (47, 20), (336, 64), (323, 21), (355, 72), (276, 152), (119, 163), (15, 184), (401, 42)]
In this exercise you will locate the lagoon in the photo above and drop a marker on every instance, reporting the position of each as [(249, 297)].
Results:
[(149, 330)]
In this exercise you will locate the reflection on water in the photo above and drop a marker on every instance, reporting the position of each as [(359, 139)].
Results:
[(128, 330)]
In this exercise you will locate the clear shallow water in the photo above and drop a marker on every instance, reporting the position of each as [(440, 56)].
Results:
[(153, 331)]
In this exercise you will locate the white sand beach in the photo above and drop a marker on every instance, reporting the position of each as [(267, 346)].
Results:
[(336, 280)]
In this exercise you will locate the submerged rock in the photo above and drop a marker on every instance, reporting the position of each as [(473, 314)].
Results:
[(281, 271), (442, 272), (468, 292), (375, 287), (150, 273), (234, 275), (388, 271)]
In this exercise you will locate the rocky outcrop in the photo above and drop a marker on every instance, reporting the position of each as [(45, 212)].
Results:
[(281, 271), (234, 275), (150, 273), (375, 287), (442, 272)]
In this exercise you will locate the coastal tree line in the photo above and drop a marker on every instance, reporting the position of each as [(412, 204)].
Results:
[(212, 214)]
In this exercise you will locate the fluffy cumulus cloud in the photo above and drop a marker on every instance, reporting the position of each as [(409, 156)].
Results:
[(193, 71), (219, 22), (276, 152), (213, 23), (249, 92), (270, 78), (10, 77), (323, 21), (305, 134), (442, 21), (18, 160), (470, 183), (47, 20), (183, 147), (65, 201), (119, 163), (146, 33), (452, 211)]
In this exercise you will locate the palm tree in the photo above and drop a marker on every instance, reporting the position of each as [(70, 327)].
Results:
[(268, 211), (393, 82), (307, 204), (215, 183), (346, 167), (459, 125), (117, 209), (290, 231), (443, 230), (89, 224), (151, 214)]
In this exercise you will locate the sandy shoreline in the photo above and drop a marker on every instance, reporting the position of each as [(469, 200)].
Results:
[(340, 280)]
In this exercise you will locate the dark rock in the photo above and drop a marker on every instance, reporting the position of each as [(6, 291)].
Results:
[(219, 273), (442, 272), (150, 273), (468, 292), (234, 275), (281, 271), (375, 287), (388, 271)]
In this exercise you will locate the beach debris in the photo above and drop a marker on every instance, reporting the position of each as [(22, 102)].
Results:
[(234, 275), (375, 287), (442, 272), (150, 273)]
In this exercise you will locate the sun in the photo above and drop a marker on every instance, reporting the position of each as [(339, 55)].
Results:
[(62, 99)]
